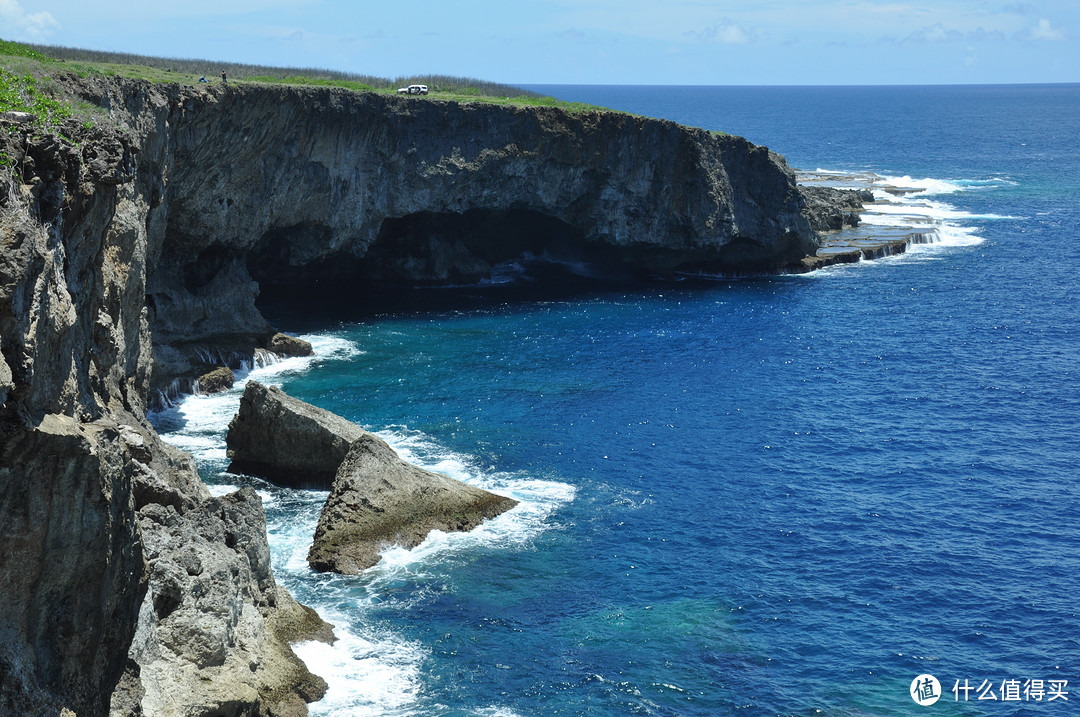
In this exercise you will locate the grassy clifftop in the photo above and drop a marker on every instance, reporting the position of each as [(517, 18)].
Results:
[(41, 62)]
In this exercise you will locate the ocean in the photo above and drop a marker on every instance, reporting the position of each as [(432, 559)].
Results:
[(827, 494)]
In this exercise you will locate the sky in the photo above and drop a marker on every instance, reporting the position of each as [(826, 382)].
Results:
[(676, 42)]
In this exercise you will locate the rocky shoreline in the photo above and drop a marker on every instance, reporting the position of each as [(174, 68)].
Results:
[(131, 257)]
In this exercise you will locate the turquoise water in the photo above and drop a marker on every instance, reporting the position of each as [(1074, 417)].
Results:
[(779, 496)]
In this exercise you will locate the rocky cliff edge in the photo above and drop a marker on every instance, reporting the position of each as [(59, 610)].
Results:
[(132, 256)]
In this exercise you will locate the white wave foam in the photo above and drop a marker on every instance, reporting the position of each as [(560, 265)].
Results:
[(920, 209), (925, 186), (325, 348), (538, 500), (905, 205), (373, 674), (948, 235), (372, 671), (197, 423), (369, 670)]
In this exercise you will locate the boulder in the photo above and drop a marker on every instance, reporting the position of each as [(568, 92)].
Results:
[(286, 440), (285, 345), (379, 500), (220, 379), (14, 117)]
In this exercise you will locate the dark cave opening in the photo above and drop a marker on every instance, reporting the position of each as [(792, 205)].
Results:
[(433, 248), (430, 260)]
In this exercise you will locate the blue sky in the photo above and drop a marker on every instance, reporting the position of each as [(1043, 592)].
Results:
[(772, 42)]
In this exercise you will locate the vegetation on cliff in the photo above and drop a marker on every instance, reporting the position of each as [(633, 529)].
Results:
[(21, 93), (85, 63)]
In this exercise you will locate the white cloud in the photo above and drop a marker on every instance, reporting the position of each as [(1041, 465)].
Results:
[(726, 32), (19, 25), (935, 33), (1045, 31), (938, 33)]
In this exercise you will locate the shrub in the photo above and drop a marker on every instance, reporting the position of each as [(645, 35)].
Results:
[(21, 94)]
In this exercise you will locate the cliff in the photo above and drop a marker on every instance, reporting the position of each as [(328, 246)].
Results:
[(272, 188), (130, 257), (125, 588)]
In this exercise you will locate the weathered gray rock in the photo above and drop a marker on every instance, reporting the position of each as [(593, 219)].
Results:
[(285, 345), (831, 209), (17, 117), (215, 628), (376, 498), (72, 573), (220, 379), (286, 440), (88, 575), (379, 500)]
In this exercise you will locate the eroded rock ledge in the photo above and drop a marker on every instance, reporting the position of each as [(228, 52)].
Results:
[(376, 499)]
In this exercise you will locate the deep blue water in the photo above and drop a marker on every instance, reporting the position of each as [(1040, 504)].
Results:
[(777, 496)]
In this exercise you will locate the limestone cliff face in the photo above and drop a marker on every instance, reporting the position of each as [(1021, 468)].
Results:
[(108, 535), (311, 176), (274, 187)]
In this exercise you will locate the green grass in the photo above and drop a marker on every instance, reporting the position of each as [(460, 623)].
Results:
[(21, 93), (85, 63), (14, 49)]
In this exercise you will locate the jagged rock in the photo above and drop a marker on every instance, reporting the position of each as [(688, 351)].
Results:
[(220, 379), (72, 573), (215, 628), (285, 345), (286, 440), (13, 117), (831, 209), (379, 500), (79, 630)]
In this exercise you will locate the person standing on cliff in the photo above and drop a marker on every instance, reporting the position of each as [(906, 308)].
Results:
[(223, 80)]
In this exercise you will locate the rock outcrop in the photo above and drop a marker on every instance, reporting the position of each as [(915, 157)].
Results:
[(831, 209), (214, 633), (269, 189), (125, 589), (72, 571), (379, 500), (220, 379), (285, 345), (376, 499), (286, 440)]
